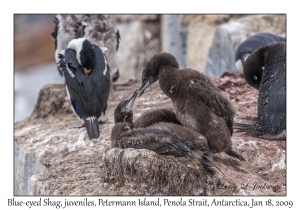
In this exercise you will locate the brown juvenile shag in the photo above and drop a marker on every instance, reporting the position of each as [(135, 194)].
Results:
[(197, 101), (161, 137)]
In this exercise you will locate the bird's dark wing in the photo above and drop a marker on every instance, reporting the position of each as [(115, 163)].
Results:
[(161, 142), (74, 81), (89, 91), (202, 79), (214, 100), (72, 66), (78, 109), (102, 77), (255, 42)]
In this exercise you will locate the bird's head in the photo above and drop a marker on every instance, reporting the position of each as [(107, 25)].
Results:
[(123, 112), (253, 68), (85, 53), (154, 66)]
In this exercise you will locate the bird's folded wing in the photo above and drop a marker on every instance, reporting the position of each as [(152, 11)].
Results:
[(159, 141), (213, 100)]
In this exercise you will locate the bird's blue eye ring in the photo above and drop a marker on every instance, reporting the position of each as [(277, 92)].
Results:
[(255, 77)]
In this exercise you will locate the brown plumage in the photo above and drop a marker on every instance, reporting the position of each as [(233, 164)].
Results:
[(197, 102), (161, 137), (123, 113), (155, 116)]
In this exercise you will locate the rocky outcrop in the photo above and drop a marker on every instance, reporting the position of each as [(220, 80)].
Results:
[(242, 28), (199, 41), (221, 55), (212, 39), (140, 40), (206, 43), (171, 38), (52, 158), (193, 39)]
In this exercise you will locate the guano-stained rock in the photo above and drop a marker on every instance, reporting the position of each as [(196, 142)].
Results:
[(51, 158)]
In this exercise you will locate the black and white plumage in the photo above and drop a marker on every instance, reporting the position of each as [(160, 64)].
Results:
[(86, 74), (98, 29), (271, 105), (254, 42)]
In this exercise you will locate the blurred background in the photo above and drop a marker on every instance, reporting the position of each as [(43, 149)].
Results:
[(206, 43)]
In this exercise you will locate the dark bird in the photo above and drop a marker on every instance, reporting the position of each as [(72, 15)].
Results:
[(253, 43), (270, 122), (86, 74), (98, 29), (124, 111), (156, 116), (161, 137), (197, 102)]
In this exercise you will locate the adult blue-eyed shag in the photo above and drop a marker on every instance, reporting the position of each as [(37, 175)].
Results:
[(250, 45), (270, 122), (86, 74), (98, 29)]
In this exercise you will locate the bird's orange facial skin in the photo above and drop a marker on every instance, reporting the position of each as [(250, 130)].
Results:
[(87, 71)]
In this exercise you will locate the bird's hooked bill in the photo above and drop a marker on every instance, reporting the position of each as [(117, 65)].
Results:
[(87, 71), (143, 88), (132, 99)]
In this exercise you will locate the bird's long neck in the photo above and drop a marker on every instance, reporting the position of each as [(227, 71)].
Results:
[(167, 80)]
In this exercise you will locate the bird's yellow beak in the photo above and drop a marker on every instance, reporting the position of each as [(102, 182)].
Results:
[(87, 71)]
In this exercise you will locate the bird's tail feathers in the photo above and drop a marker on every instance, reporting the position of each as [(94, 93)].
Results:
[(92, 127), (249, 129)]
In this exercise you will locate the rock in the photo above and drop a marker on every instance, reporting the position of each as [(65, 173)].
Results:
[(171, 38), (51, 158), (213, 39), (52, 102), (212, 20), (199, 40), (221, 55), (244, 27), (209, 49), (139, 42), (128, 18)]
